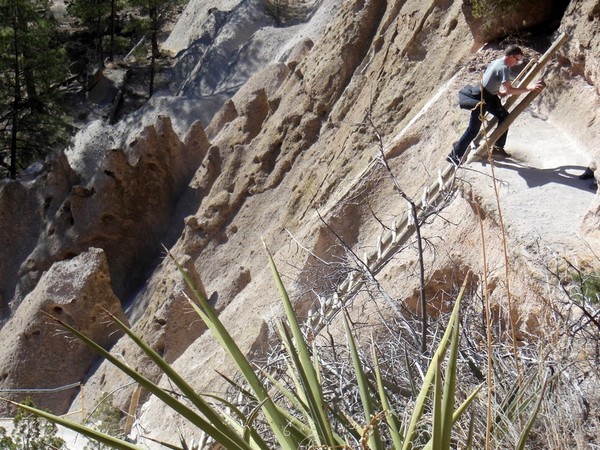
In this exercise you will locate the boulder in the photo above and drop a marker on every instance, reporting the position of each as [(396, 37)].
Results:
[(37, 353)]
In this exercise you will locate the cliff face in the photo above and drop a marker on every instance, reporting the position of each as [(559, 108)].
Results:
[(291, 158)]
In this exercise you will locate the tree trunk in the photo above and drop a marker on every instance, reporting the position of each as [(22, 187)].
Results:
[(151, 87), (113, 12), (33, 99), (153, 11), (16, 95), (100, 50)]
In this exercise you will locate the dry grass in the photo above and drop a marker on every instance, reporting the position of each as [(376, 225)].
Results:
[(567, 417)]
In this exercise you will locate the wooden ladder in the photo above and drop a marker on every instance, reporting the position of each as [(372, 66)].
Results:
[(389, 243)]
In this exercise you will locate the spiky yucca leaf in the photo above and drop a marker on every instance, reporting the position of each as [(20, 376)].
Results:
[(219, 431), (300, 383), (301, 372), (437, 421), (295, 402), (216, 419), (363, 389), (524, 435), (276, 421), (184, 445), (458, 413), (240, 422), (390, 416), (464, 405), (314, 389), (517, 401), (429, 376), (450, 387)]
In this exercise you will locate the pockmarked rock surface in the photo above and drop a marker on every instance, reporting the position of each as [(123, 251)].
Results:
[(125, 208), (292, 156), (25, 207), (404, 89), (37, 353)]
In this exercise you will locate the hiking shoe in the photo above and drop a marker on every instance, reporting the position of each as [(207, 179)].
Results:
[(453, 158), (589, 173), (499, 151)]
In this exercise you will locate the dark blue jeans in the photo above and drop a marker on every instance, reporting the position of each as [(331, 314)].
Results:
[(494, 106)]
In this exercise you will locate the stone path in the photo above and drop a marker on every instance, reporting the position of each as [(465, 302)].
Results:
[(541, 195)]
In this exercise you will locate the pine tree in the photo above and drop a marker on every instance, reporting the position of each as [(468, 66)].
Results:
[(96, 16), (156, 13), (31, 67), (31, 432)]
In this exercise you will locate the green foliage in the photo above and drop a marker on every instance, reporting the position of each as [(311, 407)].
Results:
[(95, 17), (6, 442), (155, 13), (279, 10), (106, 419), (291, 415), (150, 16), (586, 286), (121, 43), (493, 8), (92, 14), (31, 432), (32, 121)]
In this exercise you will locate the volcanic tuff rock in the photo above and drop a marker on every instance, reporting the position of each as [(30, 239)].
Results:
[(291, 158), (128, 209), (574, 102), (25, 208), (36, 352), (124, 209)]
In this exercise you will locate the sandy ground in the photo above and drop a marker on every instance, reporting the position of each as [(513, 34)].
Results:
[(541, 196)]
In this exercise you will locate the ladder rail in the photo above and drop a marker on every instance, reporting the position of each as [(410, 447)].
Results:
[(393, 241)]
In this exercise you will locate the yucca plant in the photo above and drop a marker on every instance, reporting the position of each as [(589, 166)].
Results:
[(299, 418)]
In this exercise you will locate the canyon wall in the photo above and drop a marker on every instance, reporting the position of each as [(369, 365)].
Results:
[(291, 157)]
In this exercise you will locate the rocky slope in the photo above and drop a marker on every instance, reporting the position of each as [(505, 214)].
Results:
[(271, 134)]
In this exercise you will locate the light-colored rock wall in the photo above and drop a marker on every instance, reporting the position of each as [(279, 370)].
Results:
[(128, 209), (414, 54), (294, 154), (37, 353), (574, 102), (125, 209)]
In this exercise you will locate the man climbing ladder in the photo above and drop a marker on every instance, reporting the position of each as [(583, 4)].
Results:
[(496, 83)]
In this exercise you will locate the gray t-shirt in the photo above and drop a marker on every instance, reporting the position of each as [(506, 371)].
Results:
[(496, 74)]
